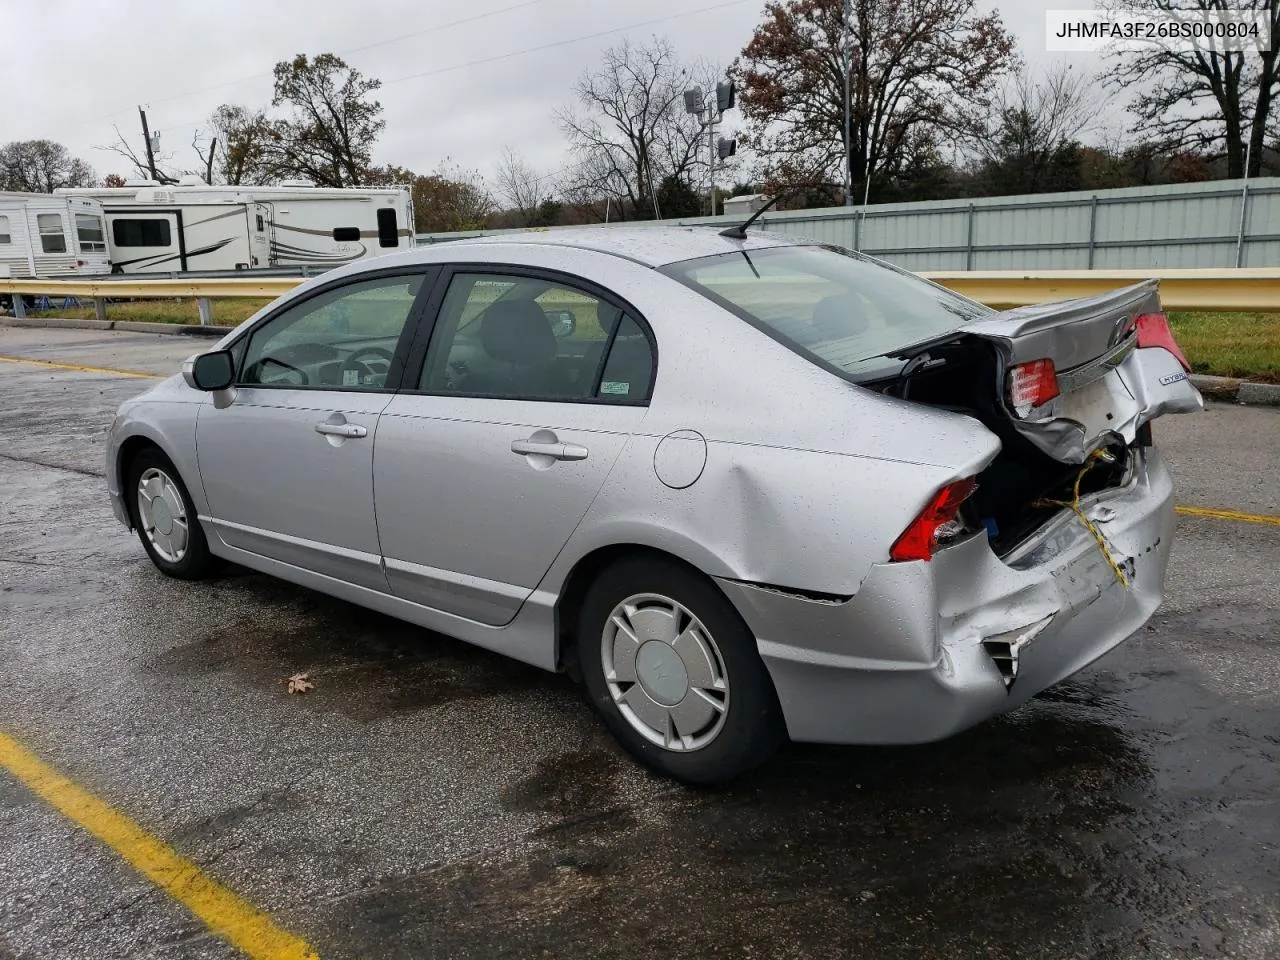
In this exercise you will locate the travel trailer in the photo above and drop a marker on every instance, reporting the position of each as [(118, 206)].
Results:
[(191, 226), (43, 235)]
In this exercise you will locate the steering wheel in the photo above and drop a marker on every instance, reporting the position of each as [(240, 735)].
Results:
[(380, 366), (259, 368)]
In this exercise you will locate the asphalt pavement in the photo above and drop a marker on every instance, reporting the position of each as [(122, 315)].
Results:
[(429, 799)]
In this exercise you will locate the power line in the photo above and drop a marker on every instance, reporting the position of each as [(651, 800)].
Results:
[(563, 43), (368, 46), (528, 50)]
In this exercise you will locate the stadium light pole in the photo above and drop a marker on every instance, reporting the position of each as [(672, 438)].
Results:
[(713, 106)]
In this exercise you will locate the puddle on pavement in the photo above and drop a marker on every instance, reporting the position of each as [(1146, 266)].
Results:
[(362, 664), (1054, 831)]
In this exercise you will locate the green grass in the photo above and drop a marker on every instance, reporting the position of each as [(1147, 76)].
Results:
[(1245, 345), (226, 313)]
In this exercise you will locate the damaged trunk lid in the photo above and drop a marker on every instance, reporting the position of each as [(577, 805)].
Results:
[(1079, 375)]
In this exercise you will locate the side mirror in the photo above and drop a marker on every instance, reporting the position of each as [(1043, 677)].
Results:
[(563, 323), (210, 371)]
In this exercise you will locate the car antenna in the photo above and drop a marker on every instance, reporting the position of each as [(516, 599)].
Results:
[(740, 232)]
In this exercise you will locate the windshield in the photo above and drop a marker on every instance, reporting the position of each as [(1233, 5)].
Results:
[(830, 304)]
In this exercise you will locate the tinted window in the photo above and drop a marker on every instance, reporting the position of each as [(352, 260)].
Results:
[(141, 233), (343, 338), (628, 372), (829, 303), (388, 230), (4, 230), (52, 237), (346, 234), (89, 231), (508, 336)]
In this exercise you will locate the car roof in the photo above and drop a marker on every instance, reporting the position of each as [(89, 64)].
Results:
[(654, 246)]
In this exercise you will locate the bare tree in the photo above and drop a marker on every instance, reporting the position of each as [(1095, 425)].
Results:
[(238, 146), (521, 186), (629, 131), (1209, 100), (915, 69), (41, 166), (332, 125), (123, 148), (1032, 128)]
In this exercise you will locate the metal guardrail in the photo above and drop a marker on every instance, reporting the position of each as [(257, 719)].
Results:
[(1255, 289)]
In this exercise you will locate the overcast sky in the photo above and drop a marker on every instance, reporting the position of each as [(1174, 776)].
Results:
[(72, 68)]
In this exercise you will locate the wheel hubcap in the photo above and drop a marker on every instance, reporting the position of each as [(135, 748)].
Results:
[(665, 673), (162, 515)]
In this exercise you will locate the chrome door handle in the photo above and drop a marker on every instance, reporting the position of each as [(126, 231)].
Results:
[(341, 429), (557, 451)]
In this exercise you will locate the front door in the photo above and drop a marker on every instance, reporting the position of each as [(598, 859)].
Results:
[(287, 467), (529, 391)]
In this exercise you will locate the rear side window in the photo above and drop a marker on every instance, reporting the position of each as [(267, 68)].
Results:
[(141, 233), (4, 230), (628, 371), (388, 229), (346, 234), (53, 238), (533, 338)]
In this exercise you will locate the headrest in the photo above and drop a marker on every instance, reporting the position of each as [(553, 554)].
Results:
[(517, 331), (843, 315)]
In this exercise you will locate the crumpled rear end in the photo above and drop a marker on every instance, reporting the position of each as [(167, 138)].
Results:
[(928, 648)]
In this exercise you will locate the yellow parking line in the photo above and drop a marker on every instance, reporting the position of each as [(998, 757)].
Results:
[(1230, 515), (81, 369), (223, 912)]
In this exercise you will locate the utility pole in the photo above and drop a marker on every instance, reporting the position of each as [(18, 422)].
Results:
[(146, 137), (848, 174)]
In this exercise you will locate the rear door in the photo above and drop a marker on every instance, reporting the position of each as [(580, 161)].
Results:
[(486, 462), (1114, 367)]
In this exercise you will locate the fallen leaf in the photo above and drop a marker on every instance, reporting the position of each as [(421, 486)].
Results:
[(300, 683)]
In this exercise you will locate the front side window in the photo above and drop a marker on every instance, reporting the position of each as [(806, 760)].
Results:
[(141, 233), (4, 230), (89, 231), (340, 339), (532, 338), (829, 304), (53, 239)]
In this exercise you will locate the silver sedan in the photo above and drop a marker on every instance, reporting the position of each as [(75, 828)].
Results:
[(745, 488)]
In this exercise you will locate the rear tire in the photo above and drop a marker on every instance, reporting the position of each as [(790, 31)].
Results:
[(675, 673), (165, 518)]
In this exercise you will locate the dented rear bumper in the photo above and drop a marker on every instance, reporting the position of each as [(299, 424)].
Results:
[(923, 649)]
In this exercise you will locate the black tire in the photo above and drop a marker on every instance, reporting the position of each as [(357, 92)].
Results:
[(752, 726), (196, 562)]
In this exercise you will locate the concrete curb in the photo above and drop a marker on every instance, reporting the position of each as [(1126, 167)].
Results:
[(131, 326), (1231, 390)]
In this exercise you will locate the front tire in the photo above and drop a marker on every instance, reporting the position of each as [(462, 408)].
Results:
[(165, 518), (675, 673)]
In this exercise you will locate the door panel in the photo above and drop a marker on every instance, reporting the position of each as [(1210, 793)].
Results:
[(469, 526), (279, 487)]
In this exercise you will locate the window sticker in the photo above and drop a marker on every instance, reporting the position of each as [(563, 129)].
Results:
[(351, 378), (618, 388)]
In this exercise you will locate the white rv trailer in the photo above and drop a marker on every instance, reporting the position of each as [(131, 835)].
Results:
[(43, 235), (191, 226)]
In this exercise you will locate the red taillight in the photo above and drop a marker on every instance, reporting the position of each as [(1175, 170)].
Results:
[(1031, 384), (919, 539), (1153, 331)]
